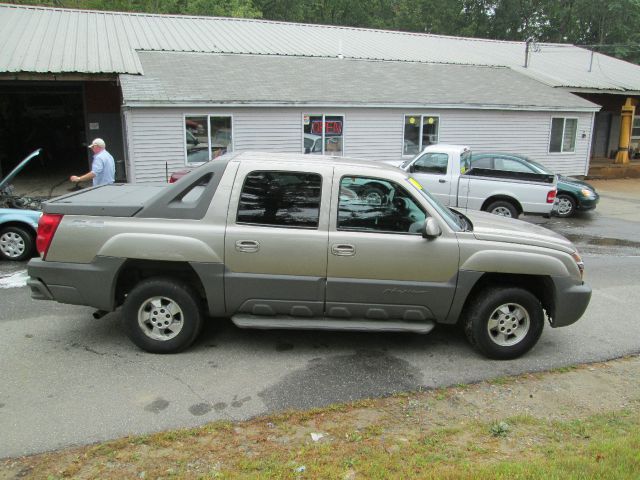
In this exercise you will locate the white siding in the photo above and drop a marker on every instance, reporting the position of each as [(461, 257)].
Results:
[(156, 135)]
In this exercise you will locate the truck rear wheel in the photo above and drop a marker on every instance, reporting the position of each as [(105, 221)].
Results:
[(162, 315), (503, 322), (503, 208)]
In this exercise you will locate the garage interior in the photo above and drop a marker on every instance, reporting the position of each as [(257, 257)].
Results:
[(61, 118)]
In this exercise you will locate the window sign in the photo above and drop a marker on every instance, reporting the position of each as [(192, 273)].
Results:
[(206, 137), (420, 131), (323, 134), (563, 135)]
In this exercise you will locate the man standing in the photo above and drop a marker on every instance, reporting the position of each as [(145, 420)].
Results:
[(103, 168)]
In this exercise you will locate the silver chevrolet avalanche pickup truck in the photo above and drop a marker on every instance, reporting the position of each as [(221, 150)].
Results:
[(297, 241)]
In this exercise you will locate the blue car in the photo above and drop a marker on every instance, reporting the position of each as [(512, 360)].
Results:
[(18, 226), (18, 230)]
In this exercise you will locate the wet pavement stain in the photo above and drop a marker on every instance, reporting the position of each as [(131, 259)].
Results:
[(238, 403), (199, 409), (28, 335), (283, 347), (157, 405), (218, 407), (367, 373)]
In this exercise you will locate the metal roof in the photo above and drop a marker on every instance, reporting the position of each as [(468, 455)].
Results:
[(193, 79), (53, 40)]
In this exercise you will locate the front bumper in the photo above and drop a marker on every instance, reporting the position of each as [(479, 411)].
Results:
[(91, 284), (570, 301), (587, 203)]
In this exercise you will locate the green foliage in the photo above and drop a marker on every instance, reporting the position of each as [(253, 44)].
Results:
[(609, 27)]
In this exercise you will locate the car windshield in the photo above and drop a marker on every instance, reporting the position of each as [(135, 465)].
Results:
[(449, 216)]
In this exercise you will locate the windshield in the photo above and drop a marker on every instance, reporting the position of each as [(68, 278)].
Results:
[(449, 216)]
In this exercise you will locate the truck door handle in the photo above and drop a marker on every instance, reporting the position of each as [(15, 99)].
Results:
[(442, 180), (247, 246), (343, 249)]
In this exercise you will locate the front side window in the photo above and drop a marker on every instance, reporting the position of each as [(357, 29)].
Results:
[(280, 199), (206, 137), (420, 131), (563, 135), (323, 134), (432, 163), (370, 204)]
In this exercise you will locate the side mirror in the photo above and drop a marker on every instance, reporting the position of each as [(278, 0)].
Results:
[(411, 168), (431, 229)]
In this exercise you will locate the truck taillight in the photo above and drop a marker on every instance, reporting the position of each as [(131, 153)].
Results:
[(47, 226), (551, 196)]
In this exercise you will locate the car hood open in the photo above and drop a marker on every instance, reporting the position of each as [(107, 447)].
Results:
[(12, 174)]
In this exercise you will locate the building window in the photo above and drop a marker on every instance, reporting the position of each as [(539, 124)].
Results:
[(206, 137), (419, 131), (281, 199), (563, 135), (635, 131), (323, 134)]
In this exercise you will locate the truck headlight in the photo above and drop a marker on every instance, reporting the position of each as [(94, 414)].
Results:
[(578, 259)]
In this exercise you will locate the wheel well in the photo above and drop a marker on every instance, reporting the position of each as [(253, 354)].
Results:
[(568, 194), (505, 198), (134, 271), (14, 223), (539, 285)]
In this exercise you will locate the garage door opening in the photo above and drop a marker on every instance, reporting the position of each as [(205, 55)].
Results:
[(50, 117)]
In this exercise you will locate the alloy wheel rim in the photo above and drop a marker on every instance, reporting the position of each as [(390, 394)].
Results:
[(508, 324), (564, 206), (502, 211), (160, 318)]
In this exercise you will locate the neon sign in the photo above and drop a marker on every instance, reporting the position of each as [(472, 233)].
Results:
[(331, 127)]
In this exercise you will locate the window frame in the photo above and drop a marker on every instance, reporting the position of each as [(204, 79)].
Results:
[(208, 116), (562, 151), (420, 132), (322, 138)]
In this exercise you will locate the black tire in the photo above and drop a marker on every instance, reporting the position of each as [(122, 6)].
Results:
[(170, 304), (503, 208), (566, 206), (16, 243), (516, 317)]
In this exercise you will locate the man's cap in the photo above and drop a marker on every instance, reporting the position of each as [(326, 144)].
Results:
[(97, 142)]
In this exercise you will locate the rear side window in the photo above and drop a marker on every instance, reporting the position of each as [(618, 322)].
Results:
[(280, 199)]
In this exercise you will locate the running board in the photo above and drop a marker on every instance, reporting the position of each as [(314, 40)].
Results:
[(323, 323)]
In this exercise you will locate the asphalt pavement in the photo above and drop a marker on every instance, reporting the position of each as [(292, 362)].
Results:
[(68, 379)]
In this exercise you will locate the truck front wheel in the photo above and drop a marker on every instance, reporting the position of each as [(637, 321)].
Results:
[(162, 315), (503, 322), (503, 208)]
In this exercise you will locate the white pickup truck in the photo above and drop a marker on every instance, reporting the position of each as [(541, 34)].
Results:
[(445, 171)]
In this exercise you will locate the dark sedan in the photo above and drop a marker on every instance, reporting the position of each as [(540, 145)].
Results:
[(573, 194)]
